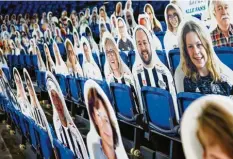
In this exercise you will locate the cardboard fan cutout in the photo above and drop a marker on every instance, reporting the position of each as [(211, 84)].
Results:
[(143, 19), (102, 30), (113, 26), (50, 65), (7, 92), (65, 128), (25, 106), (196, 138), (3, 62), (92, 43), (124, 41), (130, 21), (37, 111), (61, 67), (217, 79), (41, 64), (77, 48), (128, 6), (115, 69), (90, 68), (172, 14), (72, 62), (104, 139), (148, 70), (155, 24)]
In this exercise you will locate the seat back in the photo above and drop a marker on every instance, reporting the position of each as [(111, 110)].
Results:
[(162, 56), (7, 73), (103, 84), (63, 84), (174, 58), (159, 106), (34, 61), (22, 61), (62, 50), (95, 56), (123, 99), (124, 57), (225, 54), (28, 61), (80, 59), (74, 88), (81, 81), (160, 36), (63, 151), (131, 56), (102, 60), (185, 99)]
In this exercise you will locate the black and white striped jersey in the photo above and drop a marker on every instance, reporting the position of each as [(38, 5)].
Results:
[(129, 81), (158, 76), (39, 118), (69, 139)]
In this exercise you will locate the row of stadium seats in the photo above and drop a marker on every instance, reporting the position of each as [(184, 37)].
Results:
[(37, 137)]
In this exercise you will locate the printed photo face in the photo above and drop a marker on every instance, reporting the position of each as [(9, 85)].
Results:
[(129, 18), (102, 121), (17, 80), (86, 52), (56, 52), (196, 51), (143, 46), (173, 18), (102, 14), (70, 53), (149, 12), (111, 53), (222, 12), (59, 107), (76, 38), (121, 28)]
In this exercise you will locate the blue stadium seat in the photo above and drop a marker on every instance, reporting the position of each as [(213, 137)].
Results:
[(124, 102), (28, 61), (160, 35), (10, 60), (7, 73), (43, 142), (29, 124), (162, 56), (131, 56), (15, 60), (64, 152), (124, 57), (174, 58), (63, 84), (74, 89), (102, 60), (185, 99), (50, 46), (225, 54), (159, 108), (103, 84), (80, 59), (41, 81), (81, 82), (164, 25), (95, 56), (70, 37), (34, 62), (62, 50), (22, 61)]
